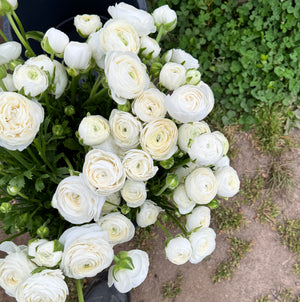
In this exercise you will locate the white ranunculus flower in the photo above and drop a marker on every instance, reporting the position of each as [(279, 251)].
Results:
[(223, 162), (45, 253), (141, 20), (139, 165), (201, 185), (15, 268), (97, 52), (224, 141), (149, 47), (183, 202), (20, 120), (30, 77), (187, 133), (183, 171), (200, 217), (126, 76), (181, 57), (120, 229), (149, 105), (93, 130), (9, 83), (165, 16), (228, 182), (206, 149), (111, 203), (192, 76), (159, 138), (48, 285), (60, 79), (103, 172), (172, 75), (9, 51), (13, 4), (125, 129), (109, 145), (189, 104), (78, 55), (134, 193), (87, 251), (87, 24), (203, 243), (178, 250), (42, 62), (126, 279), (76, 202), (148, 214), (55, 41)]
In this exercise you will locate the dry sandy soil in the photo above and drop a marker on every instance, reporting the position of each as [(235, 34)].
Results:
[(265, 269)]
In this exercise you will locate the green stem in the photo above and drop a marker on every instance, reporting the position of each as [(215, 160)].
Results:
[(19, 24), (163, 228), (47, 102), (98, 94), (161, 190), (19, 35), (95, 86), (79, 290), (13, 236), (19, 158), (3, 36), (68, 163), (161, 31), (32, 155), (73, 88), (177, 222), (42, 155), (23, 195), (2, 85)]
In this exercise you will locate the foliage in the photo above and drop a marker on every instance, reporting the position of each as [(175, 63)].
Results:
[(249, 51), (263, 299), (296, 267), (238, 249), (268, 211), (289, 231), (172, 289)]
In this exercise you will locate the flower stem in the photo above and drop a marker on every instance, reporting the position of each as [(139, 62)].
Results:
[(98, 94), (95, 86), (161, 190), (28, 149), (79, 290), (2, 85), (19, 158), (161, 31), (19, 24), (177, 222), (13, 236), (73, 88), (163, 228), (42, 155), (3, 36)]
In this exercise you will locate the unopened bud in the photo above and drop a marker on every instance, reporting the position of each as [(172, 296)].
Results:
[(125, 209), (5, 207), (3, 72), (192, 76), (168, 163), (213, 204), (6, 7), (43, 232), (172, 181), (126, 107), (69, 110), (14, 63), (13, 190), (155, 69), (57, 130)]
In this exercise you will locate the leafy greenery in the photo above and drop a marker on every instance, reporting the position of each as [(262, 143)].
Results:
[(290, 234), (296, 267), (250, 52), (268, 211), (172, 289), (237, 251)]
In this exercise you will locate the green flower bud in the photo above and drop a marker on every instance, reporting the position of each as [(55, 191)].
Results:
[(193, 76), (43, 232), (57, 130), (177, 214), (14, 63), (104, 83), (6, 7), (213, 204), (165, 218), (126, 107), (168, 163), (155, 69), (172, 181), (125, 209), (5, 207), (69, 110), (13, 190), (3, 72)]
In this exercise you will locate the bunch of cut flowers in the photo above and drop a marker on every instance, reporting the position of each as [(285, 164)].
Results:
[(98, 138)]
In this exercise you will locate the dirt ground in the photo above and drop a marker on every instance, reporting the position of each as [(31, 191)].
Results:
[(266, 269)]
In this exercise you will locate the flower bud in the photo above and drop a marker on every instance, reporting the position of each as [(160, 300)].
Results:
[(166, 17), (69, 110), (125, 209), (150, 49), (55, 42), (126, 107), (6, 6), (5, 207), (165, 218), (155, 69), (14, 63), (172, 181), (168, 163), (3, 72), (13, 190), (213, 204), (193, 77), (42, 232), (87, 24), (57, 130)]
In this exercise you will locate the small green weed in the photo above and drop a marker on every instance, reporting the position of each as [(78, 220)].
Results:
[(172, 289), (237, 251), (268, 211), (143, 239), (227, 218), (281, 295), (290, 234), (296, 267), (263, 299), (72, 297)]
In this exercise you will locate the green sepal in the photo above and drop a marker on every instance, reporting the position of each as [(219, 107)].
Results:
[(35, 35), (167, 241), (57, 246), (38, 270), (213, 204)]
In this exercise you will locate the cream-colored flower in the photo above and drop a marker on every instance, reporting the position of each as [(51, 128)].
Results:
[(192, 76), (9, 83), (148, 214), (87, 24), (20, 120), (189, 103), (48, 285), (120, 229), (200, 217), (76, 202), (187, 133), (201, 185), (111, 203), (183, 171), (141, 20), (224, 141), (87, 251), (224, 161), (126, 76), (55, 41), (60, 79), (203, 243), (77, 56), (206, 149), (178, 250), (9, 51), (93, 130), (31, 78), (42, 62), (228, 182), (138, 165), (125, 129), (150, 49), (183, 202), (149, 105), (159, 138), (103, 172), (134, 193), (181, 57), (172, 75), (165, 16)]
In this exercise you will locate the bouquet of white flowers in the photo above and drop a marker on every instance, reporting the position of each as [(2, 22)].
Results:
[(108, 137)]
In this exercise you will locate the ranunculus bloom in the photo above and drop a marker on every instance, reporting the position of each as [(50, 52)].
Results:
[(42, 62), (9, 51), (87, 24), (56, 40), (165, 16), (149, 47), (178, 250), (78, 55), (172, 75), (181, 57), (228, 182), (134, 193), (148, 214), (60, 79), (200, 217), (183, 202)]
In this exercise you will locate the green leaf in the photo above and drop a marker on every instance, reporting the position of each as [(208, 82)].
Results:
[(72, 144), (38, 270), (39, 185), (17, 181), (58, 247), (35, 35), (28, 174)]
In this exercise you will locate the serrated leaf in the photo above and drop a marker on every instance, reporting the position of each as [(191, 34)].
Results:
[(38, 270), (28, 174), (39, 185), (57, 247), (17, 181)]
